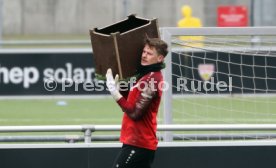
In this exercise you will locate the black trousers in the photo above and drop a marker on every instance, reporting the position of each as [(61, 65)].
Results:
[(134, 157)]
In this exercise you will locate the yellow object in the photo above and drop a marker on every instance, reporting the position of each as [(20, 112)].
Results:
[(189, 21)]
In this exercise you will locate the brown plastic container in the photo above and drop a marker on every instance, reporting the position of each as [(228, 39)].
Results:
[(119, 46)]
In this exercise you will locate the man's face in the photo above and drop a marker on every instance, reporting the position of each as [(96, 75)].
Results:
[(150, 56)]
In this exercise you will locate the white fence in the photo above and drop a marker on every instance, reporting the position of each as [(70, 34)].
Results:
[(89, 129)]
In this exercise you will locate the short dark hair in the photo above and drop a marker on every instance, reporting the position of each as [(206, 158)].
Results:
[(160, 45)]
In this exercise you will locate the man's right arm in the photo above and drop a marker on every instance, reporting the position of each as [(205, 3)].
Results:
[(137, 110)]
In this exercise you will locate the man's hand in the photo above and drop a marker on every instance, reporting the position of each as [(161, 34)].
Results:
[(112, 84)]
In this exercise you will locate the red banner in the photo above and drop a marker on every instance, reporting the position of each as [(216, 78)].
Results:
[(232, 16)]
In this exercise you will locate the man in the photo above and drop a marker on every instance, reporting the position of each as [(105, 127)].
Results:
[(138, 133)]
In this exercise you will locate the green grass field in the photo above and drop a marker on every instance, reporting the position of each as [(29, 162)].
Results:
[(106, 111), (47, 112), (73, 38), (225, 110)]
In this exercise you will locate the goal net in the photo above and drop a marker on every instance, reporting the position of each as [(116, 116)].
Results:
[(225, 77)]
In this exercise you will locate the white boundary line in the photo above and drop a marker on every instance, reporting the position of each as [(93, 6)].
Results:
[(104, 96), (161, 144), (46, 97), (45, 50)]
